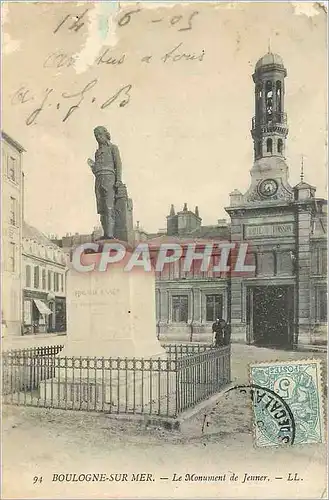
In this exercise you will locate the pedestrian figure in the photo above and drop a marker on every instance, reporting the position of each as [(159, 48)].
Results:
[(218, 333)]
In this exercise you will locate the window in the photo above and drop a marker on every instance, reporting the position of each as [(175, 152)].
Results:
[(180, 309), (49, 281), (56, 282), (62, 282), (319, 261), (269, 100), (280, 146), (28, 276), (323, 261), (12, 257), (266, 264), (214, 307), (323, 305), (269, 146), (44, 284), (278, 97), (36, 277), (13, 211), (11, 168), (285, 263)]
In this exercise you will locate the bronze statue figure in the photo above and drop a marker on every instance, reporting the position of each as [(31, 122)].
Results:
[(107, 170)]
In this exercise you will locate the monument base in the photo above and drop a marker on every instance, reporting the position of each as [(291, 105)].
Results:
[(111, 312)]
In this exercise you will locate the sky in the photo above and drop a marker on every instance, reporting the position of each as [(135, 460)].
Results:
[(182, 126)]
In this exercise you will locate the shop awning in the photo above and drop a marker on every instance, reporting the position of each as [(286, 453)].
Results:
[(42, 308)]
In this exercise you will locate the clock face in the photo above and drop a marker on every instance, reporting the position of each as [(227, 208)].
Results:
[(268, 187)]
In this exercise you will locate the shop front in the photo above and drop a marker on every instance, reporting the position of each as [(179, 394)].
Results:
[(35, 313)]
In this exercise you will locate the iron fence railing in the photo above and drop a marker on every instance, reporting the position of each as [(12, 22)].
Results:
[(164, 386), (50, 350), (179, 350)]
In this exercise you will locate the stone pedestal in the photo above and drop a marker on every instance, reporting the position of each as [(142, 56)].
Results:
[(111, 313)]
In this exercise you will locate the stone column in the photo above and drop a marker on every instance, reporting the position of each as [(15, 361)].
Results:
[(157, 309), (190, 312), (274, 104), (163, 311), (264, 99), (196, 318), (303, 274), (237, 324)]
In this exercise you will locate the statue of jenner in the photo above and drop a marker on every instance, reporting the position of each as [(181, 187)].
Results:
[(107, 169)]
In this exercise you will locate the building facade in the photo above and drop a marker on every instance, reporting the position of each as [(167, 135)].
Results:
[(283, 302), (69, 241), (12, 202), (188, 302), (44, 283)]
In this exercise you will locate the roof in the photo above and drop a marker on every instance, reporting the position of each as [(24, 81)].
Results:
[(180, 240), (269, 59), (12, 141), (304, 185), (199, 235), (32, 233), (213, 232)]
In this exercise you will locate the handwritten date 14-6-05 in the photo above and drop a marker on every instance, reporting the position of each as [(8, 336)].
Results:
[(66, 103)]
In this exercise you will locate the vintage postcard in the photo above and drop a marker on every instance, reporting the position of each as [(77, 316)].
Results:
[(164, 249)]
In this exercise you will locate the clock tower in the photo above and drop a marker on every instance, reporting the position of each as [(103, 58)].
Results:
[(276, 303), (269, 174)]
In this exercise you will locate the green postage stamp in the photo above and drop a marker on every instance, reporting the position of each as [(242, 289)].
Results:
[(287, 402)]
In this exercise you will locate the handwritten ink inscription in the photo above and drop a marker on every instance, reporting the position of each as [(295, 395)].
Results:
[(179, 20), (62, 59), (75, 23), (23, 95), (63, 104)]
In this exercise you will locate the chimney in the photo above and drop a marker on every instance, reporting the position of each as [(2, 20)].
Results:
[(172, 222), (185, 207), (236, 197), (196, 211)]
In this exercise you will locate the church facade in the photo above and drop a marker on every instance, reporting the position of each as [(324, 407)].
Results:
[(283, 303)]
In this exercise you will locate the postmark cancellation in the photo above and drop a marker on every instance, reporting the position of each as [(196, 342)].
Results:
[(287, 402)]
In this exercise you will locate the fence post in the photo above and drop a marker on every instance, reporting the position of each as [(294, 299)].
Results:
[(177, 377)]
